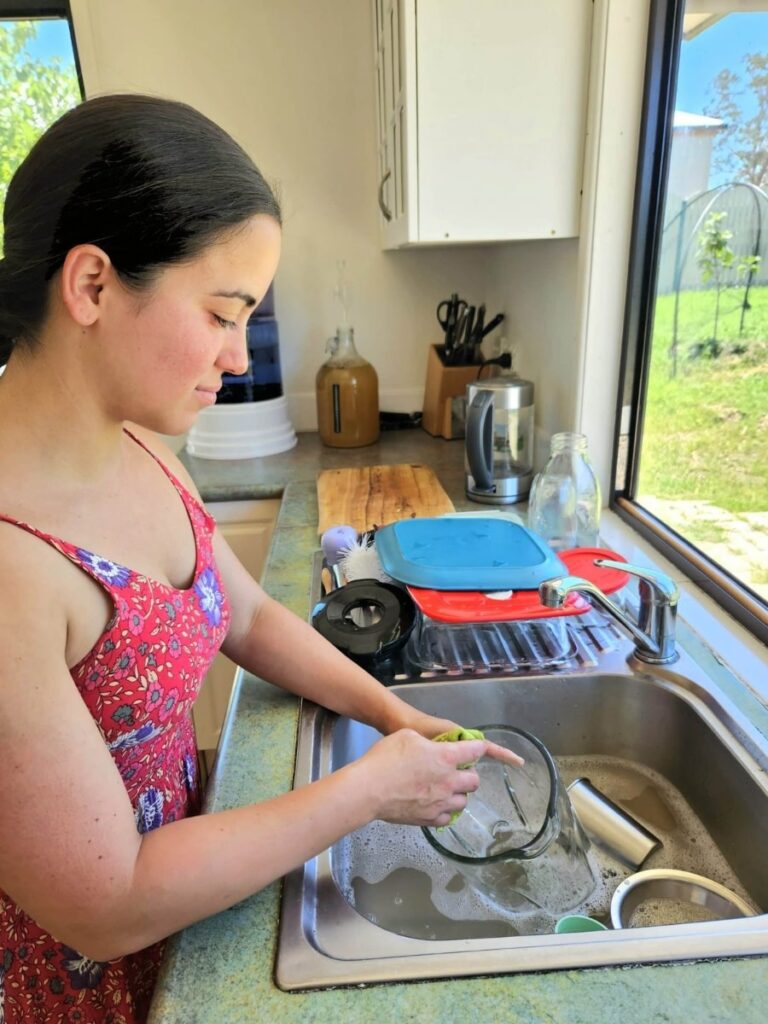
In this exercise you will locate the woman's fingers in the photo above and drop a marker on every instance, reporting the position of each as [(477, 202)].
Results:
[(417, 781), (467, 781), (465, 752), (455, 805), (502, 754), (470, 751), (457, 802)]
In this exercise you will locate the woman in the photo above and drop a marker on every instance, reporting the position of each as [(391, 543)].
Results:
[(138, 239)]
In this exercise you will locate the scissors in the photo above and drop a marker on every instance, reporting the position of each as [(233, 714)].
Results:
[(449, 310)]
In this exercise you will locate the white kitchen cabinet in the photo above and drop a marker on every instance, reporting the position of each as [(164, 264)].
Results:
[(481, 114), (247, 527)]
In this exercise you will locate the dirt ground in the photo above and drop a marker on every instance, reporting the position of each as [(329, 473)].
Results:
[(736, 541)]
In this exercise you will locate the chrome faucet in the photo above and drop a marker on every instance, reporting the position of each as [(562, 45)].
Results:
[(654, 632)]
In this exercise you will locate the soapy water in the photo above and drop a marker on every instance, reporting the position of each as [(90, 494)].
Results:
[(665, 911), (393, 877)]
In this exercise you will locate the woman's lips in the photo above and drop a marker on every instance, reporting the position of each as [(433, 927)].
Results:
[(207, 395)]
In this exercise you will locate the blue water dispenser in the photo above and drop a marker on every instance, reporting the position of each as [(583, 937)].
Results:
[(250, 418), (262, 380)]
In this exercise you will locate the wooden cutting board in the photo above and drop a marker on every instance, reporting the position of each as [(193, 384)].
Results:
[(376, 495)]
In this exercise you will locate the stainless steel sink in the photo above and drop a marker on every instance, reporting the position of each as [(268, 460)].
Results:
[(381, 906)]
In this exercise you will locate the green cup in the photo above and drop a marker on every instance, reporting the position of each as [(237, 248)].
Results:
[(578, 923)]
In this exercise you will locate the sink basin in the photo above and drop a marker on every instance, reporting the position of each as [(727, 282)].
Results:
[(381, 905)]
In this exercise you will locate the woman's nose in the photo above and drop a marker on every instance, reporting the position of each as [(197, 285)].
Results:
[(233, 357)]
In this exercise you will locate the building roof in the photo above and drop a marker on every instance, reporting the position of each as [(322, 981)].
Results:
[(684, 120)]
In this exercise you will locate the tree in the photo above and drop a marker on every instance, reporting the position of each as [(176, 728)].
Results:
[(714, 255), (741, 146), (34, 93)]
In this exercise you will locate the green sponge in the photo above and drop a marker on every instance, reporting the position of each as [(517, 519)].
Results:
[(453, 736)]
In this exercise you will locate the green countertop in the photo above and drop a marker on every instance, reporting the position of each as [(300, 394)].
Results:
[(221, 970)]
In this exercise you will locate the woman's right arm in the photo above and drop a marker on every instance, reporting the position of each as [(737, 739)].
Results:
[(71, 855)]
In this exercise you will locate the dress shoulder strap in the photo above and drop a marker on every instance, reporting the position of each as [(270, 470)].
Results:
[(49, 538), (108, 574), (112, 575), (186, 495)]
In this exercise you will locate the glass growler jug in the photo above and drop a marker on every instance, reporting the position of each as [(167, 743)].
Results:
[(347, 390), (564, 506)]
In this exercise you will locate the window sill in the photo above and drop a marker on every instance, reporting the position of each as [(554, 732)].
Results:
[(723, 647)]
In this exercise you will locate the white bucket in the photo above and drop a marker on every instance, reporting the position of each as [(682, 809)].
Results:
[(246, 431)]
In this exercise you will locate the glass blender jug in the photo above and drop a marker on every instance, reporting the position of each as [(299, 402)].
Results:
[(518, 842)]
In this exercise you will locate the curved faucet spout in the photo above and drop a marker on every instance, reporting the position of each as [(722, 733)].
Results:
[(654, 632)]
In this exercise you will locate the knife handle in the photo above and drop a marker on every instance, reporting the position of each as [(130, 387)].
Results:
[(492, 325)]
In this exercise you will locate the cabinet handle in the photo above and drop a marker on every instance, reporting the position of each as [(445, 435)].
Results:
[(382, 205)]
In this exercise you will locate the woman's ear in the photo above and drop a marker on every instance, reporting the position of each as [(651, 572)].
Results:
[(84, 273)]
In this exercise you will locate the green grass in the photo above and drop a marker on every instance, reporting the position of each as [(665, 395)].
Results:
[(711, 533), (706, 428)]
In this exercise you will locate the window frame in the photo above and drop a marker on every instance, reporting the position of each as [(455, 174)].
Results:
[(28, 10), (665, 29)]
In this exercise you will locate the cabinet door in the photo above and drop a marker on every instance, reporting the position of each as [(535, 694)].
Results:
[(247, 527), (394, 27), (481, 109), (502, 97)]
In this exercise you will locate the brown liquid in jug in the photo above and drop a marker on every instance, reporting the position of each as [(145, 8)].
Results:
[(347, 390)]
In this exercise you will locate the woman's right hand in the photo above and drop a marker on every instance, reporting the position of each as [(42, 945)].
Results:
[(415, 781)]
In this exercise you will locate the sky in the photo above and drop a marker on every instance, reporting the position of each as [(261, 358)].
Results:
[(52, 40), (721, 46)]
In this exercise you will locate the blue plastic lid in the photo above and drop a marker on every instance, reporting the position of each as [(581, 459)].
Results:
[(446, 553)]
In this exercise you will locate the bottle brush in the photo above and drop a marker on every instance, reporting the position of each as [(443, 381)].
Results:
[(360, 562)]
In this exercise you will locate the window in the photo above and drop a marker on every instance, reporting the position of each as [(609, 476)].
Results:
[(691, 466), (39, 76)]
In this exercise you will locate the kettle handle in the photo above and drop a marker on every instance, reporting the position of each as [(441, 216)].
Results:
[(480, 440)]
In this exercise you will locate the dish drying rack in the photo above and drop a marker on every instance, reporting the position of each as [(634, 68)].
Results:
[(437, 649)]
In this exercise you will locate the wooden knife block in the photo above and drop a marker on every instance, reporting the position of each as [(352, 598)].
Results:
[(444, 383)]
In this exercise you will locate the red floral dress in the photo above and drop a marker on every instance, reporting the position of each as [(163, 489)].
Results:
[(139, 682)]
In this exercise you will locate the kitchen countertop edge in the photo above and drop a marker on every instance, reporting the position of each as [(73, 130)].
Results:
[(222, 969)]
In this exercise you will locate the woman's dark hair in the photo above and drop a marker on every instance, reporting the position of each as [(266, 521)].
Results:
[(150, 181)]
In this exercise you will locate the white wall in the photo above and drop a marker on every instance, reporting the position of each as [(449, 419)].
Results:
[(690, 161), (613, 130), (565, 299), (535, 283), (293, 81)]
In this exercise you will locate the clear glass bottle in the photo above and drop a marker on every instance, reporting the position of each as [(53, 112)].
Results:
[(347, 390), (564, 506)]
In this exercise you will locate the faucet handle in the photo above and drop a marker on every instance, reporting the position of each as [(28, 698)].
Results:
[(664, 587), (654, 631)]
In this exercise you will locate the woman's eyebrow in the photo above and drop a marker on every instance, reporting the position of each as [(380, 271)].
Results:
[(247, 299)]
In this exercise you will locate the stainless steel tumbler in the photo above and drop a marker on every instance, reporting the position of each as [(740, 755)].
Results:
[(610, 826)]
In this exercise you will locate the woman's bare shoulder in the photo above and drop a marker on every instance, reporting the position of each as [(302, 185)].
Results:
[(25, 558), (34, 578), (33, 605)]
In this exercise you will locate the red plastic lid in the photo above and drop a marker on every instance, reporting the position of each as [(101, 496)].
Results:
[(581, 562), (479, 606)]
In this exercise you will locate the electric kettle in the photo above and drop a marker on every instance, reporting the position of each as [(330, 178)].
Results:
[(499, 440)]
